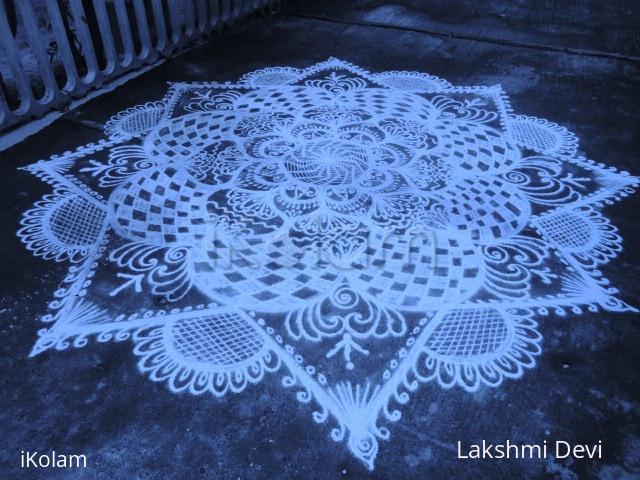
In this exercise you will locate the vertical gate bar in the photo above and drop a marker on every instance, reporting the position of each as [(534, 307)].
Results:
[(109, 46), (250, 6), (6, 115), (214, 19), (162, 42), (189, 21), (235, 13), (225, 14), (243, 7), (11, 51), (202, 16), (147, 50), (174, 15), (45, 71), (88, 52), (125, 33), (72, 84)]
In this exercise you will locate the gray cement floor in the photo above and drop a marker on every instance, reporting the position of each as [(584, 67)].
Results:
[(575, 63)]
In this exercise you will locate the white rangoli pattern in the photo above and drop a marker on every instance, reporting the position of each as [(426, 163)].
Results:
[(359, 233)]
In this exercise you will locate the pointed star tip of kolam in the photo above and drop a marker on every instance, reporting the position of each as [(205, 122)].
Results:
[(35, 351), (625, 307)]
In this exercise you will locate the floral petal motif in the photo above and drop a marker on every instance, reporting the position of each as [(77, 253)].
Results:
[(63, 227), (217, 353), (584, 233), (270, 77), (135, 121), (542, 136), (360, 233), (478, 346), (411, 81)]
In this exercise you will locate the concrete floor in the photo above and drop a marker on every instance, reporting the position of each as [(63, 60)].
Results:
[(575, 63)]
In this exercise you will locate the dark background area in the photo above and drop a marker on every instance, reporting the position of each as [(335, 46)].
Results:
[(574, 63)]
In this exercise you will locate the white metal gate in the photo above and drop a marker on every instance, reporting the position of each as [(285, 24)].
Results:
[(52, 51)]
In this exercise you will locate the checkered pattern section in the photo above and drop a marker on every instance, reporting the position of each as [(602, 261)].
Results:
[(76, 222), (535, 135), (221, 340), (143, 120), (569, 230), (162, 207), (410, 81), (381, 103), (255, 272), (283, 99), (475, 148), (404, 272), (418, 272), (183, 137), (469, 333), (487, 207)]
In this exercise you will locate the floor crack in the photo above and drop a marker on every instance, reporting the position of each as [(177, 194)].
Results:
[(477, 38)]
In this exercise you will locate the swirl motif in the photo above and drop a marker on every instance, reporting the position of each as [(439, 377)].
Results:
[(327, 162)]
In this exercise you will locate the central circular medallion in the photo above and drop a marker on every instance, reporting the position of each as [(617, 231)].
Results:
[(327, 162)]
